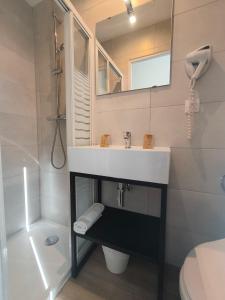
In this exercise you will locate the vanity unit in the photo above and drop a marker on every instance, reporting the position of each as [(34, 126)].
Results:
[(129, 232)]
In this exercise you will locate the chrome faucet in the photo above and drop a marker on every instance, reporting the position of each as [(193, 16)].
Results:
[(127, 139)]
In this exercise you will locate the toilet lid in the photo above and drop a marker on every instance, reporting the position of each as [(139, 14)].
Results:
[(191, 286)]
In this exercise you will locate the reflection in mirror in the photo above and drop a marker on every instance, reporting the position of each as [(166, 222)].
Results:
[(134, 46)]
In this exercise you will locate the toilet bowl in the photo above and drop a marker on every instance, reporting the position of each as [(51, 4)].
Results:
[(191, 287), (202, 275), (116, 261)]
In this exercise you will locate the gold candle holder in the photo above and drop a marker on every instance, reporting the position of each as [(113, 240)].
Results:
[(105, 140), (148, 141)]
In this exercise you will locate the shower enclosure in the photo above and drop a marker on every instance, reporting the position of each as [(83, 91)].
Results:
[(35, 225)]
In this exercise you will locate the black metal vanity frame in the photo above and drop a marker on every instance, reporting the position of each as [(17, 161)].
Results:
[(145, 235)]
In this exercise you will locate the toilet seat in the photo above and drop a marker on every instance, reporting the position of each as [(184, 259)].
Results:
[(191, 287), (203, 273)]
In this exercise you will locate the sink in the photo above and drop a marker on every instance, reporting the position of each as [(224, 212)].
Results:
[(135, 163)]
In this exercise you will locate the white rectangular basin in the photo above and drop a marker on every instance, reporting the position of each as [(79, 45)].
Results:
[(136, 163)]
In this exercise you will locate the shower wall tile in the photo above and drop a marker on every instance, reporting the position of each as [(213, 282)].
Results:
[(55, 197), (16, 68), (14, 194), (45, 159), (11, 26), (14, 159), (196, 201), (18, 120), (54, 189), (18, 130), (16, 99)]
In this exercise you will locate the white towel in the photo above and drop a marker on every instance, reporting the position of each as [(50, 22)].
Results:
[(211, 261), (88, 218)]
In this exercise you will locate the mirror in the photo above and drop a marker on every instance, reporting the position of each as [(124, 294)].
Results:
[(133, 46)]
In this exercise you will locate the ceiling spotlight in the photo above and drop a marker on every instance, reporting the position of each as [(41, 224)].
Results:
[(132, 19)]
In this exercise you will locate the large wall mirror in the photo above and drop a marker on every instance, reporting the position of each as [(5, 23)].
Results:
[(133, 46)]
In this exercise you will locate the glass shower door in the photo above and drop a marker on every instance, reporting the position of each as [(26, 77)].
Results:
[(3, 252)]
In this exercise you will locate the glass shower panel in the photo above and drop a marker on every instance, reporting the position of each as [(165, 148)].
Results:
[(82, 134)]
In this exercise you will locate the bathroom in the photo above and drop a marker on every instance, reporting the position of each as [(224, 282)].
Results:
[(71, 108)]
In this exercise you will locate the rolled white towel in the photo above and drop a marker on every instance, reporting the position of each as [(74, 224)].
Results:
[(85, 221)]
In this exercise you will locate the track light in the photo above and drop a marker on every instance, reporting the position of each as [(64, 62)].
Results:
[(130, 11), (132, 19)]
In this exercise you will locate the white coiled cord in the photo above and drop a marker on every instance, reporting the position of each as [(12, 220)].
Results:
[(189, 108)]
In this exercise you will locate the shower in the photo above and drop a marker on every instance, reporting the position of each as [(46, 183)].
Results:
[(57, 72)]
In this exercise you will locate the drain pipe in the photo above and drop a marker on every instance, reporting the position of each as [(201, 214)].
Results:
[(121, 189)]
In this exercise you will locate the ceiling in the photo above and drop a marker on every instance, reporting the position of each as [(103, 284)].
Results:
[(148, 14)]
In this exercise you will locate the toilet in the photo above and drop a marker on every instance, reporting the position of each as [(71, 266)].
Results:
[(202, 276), (191, 287), (116, 261)]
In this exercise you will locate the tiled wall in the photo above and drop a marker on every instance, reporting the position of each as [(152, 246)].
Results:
[(196, 204), (18, 123), (53, 183)]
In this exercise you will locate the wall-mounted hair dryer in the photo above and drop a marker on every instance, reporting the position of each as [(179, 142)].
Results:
[(197, 63)]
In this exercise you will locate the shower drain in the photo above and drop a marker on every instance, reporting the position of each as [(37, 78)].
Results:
[(51, 240)]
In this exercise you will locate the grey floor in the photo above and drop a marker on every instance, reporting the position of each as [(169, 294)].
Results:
[(139, 282)]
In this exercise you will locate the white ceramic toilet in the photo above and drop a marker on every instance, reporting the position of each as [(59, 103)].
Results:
[(203, 274), (116, 261)]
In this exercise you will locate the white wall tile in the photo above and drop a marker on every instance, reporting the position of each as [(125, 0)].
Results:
[(207, 130), (174, 94), (184, 5), (210, 87), (197, 170), (116, 122), (128, 100), (201, 213), (198, 27), (180, 242)]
